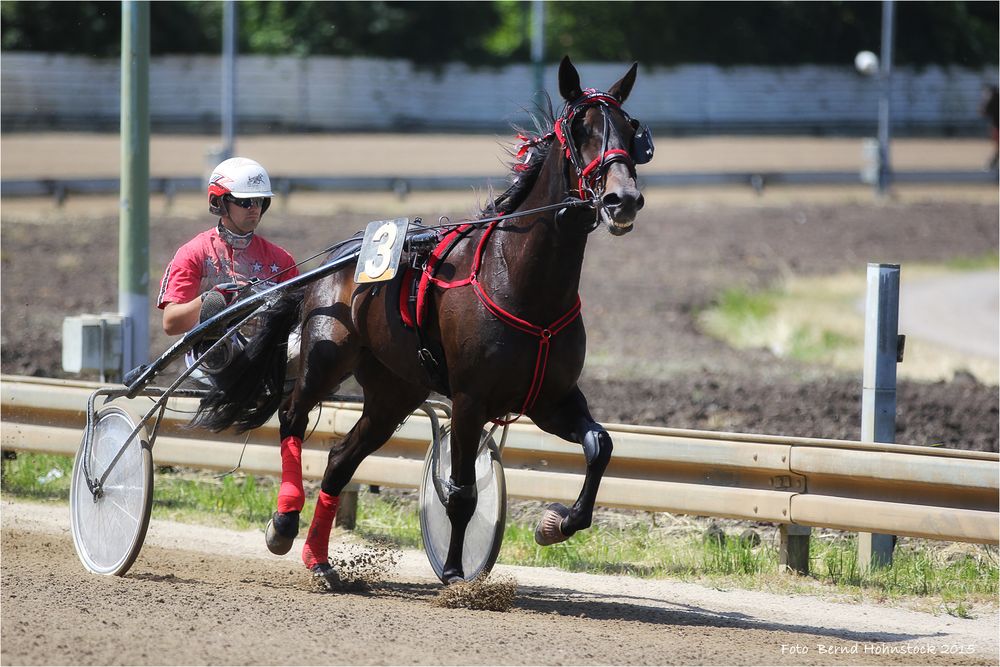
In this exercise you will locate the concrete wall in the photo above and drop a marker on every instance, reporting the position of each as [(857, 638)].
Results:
[(323, 93)]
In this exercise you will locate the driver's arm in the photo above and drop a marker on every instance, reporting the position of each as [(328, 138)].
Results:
[(179, 318)]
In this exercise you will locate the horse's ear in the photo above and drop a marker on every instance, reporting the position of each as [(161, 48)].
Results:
[(621, 89), (569, 80)]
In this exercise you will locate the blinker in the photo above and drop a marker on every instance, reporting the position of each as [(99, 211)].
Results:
[(642, 143)]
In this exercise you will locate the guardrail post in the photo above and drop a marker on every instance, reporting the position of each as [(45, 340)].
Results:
[(347, 510), (793, 552), (883, 350)]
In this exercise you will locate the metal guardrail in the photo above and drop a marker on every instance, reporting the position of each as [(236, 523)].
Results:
[(848, 485), (60, 189)]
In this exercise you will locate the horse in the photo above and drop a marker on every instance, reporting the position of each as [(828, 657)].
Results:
[(499, 329)]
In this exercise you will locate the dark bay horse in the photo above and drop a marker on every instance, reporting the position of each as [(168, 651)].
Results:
[(501, 314)]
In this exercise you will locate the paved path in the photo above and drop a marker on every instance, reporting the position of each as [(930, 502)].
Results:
[(960, 311)]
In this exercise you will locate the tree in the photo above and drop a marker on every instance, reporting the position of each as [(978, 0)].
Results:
[(497, 33)]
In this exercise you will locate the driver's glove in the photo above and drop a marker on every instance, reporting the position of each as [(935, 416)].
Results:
[(217, 299)]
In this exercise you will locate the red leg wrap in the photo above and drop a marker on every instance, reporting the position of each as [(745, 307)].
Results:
[(291, 495), (317, 545)]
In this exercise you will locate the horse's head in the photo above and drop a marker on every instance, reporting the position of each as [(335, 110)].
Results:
[(604, 144)]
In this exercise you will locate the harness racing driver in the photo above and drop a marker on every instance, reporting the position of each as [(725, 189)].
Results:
[(216, 264)]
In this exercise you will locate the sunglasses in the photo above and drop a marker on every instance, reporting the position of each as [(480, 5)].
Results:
[(248, 203)]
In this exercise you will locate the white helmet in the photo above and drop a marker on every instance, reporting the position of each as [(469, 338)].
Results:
[(240, 177)]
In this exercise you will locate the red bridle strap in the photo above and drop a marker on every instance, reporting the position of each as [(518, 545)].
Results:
[(606, 158), (543, 334)]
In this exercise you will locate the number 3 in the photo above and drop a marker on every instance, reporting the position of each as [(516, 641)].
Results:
[(383, 240)]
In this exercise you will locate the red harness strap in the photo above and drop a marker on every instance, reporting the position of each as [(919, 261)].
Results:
[(544, 334)]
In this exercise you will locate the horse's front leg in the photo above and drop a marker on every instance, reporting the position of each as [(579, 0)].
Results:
[(466, 428), (571, 421)]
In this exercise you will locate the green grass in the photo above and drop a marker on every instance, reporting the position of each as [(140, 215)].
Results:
[(988, 261), (759, 319), (740, 306), (25, 477), (810, 344), (953, 579)]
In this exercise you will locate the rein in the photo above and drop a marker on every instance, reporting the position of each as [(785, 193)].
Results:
[(569, 202)]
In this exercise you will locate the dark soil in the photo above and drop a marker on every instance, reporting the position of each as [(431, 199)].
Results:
[(640, 292)]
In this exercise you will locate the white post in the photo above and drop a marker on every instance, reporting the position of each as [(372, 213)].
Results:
[(878, 395)]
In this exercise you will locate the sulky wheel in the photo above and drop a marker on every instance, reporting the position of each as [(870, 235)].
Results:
[(485, 532), (110, 526)]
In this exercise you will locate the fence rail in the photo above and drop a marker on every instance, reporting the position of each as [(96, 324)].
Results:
[(60, 189), (848, 485)]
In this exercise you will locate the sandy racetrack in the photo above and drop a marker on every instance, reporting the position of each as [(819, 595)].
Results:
[(207, 596)]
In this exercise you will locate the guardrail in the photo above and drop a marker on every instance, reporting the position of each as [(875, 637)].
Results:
[(60, 189), (842, 484)]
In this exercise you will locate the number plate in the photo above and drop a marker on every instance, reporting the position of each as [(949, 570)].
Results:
[(380, 250)]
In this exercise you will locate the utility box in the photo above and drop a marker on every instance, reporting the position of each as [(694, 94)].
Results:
[(95, 343), (870, 161)]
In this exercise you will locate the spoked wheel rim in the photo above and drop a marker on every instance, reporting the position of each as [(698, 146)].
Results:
[(484, 535), (108, 531)]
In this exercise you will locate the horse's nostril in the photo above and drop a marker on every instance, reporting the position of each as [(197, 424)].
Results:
[(612, 200), (640, 201)]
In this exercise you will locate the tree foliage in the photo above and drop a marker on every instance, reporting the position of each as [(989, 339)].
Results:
[(498, 32)]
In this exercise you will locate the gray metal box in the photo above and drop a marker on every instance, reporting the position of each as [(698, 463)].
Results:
[(93, 343)]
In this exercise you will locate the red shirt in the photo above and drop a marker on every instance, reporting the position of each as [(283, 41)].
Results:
[(206, 261)]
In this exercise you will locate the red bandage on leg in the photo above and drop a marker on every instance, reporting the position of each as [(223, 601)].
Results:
[(291, 495), (317, 545)]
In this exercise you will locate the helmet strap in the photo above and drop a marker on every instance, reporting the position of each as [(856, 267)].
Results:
[(232, 239)]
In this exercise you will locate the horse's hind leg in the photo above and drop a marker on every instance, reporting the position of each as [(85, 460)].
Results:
[(388, 401), (329, 354), (571, 421)]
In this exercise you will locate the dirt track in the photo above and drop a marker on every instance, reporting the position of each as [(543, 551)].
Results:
[(206, 596)]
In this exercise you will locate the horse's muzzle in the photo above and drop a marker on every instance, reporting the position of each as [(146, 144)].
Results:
[(619, 208)]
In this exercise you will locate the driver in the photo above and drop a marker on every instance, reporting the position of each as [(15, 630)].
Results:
[(218, 262)]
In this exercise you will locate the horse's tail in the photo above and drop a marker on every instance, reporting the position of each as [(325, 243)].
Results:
[(250, 388)]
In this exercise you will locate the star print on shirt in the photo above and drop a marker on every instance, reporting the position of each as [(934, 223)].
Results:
[(257, 266), (274, 268)]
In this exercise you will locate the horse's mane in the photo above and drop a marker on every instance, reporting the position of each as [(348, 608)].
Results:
[(523, 174)]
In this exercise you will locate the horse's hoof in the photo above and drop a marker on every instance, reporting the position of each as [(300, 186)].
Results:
[(281, 531), (452, 578), (549, 529), (325, 576)]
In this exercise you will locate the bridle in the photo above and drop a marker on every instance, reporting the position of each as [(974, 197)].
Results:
[(589, 175)]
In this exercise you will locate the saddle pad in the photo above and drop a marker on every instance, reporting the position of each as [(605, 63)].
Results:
[(411, 309)]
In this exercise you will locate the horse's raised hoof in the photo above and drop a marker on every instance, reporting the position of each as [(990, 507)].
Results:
[(549, 529), (325, 576), (281, 531)]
